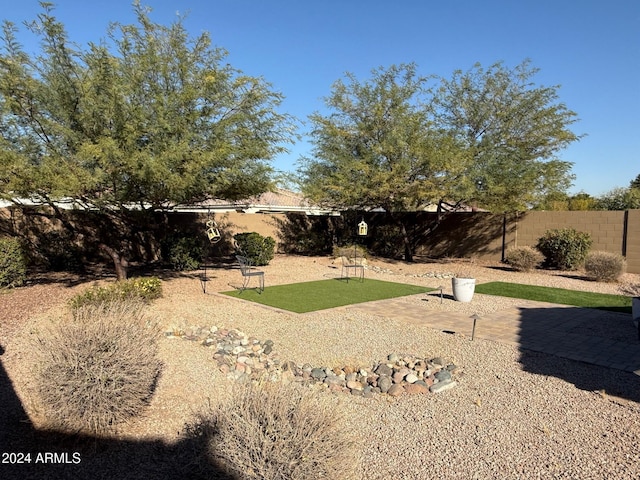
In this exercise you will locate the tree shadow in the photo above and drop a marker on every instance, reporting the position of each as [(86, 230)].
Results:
[(59, 455), (595, 350)]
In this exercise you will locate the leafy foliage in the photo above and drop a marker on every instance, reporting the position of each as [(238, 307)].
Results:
[(512, 129), (258, 249), (565, 249), (145, 119), (486, 138), (523, 259), (133, 289), (604, 266), (378, 147), (619, 199), (13, 265), (185, 253), (97, 369)]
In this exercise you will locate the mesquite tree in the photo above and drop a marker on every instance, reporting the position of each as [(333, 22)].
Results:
[(483, 138), (146, 119)]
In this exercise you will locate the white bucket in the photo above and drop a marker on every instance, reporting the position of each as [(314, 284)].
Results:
[(463, 289)]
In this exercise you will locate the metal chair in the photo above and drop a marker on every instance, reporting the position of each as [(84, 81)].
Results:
[(355, 263), (247, 272)]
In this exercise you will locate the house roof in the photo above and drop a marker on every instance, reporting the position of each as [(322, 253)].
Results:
[(279, 201)]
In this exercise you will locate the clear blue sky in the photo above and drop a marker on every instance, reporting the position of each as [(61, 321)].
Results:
[(591, 48)]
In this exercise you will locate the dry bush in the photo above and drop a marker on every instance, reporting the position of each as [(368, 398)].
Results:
[(604, 266), (97, 368), (280, 433), (523, 259)]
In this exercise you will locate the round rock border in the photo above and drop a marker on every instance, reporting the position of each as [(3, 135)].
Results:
[(244, 359)]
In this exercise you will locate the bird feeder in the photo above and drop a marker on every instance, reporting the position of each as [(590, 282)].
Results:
[(362, 228), (212, 232)]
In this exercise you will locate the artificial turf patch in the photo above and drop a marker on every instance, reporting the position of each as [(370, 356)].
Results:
[(602, 301), (322, 294)]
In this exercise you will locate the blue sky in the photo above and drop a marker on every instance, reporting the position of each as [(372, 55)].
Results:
[(590, 48)]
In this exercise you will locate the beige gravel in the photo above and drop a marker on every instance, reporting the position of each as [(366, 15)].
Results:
[(513, 415)]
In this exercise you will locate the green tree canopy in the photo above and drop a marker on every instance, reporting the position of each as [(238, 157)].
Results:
[(147, 118), (512, 129), (619, 199), (485, 138)]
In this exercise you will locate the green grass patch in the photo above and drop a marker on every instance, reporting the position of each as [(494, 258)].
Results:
[(602, 301), (319, 295)]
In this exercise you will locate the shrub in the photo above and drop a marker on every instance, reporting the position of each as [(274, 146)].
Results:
[(98, 368), (280, 433), (604, 266), (186, 253), (349, 250), (142, 289), (13, 265), (565, 249), (258, 249), (523, 259)]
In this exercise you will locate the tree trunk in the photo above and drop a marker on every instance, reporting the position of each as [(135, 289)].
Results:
[(119, 262), (408, 251), (406, 239)]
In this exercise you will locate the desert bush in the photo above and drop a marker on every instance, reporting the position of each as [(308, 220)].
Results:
[(348, 251), (258, 249), (523, 259), (280, 433), (98, 368), (13, 264), (143, 289), (186, 254), (604, 266), (565, 249)]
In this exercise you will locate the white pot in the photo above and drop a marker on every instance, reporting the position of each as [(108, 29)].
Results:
[(463, 289), (635, 310)]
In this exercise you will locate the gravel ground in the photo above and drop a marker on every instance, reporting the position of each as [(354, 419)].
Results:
[(514, 414)]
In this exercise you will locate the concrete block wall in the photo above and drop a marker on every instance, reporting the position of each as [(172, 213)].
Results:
[(633, 241), (606, 228)]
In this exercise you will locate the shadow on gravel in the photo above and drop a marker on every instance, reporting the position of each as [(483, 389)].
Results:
[(579, 345), (61, 456)]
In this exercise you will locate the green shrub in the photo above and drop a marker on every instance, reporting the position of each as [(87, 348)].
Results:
[(258, 249), (186, 253), (565, 249), (279, 433), (98, 368), (143, 289), (523, 259), (13, 264), (604, 266)]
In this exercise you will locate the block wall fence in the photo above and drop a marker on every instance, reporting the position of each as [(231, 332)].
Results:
[(480, 235)]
